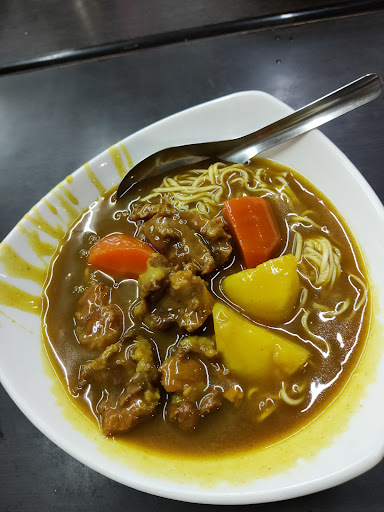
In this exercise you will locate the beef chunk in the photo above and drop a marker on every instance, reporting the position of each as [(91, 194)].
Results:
[(184, 237), (124, 379), (98, 322), (179, 372), (213, 233), (169, 296), (148, 210), (211, 400), (197, 381), (183, 412)]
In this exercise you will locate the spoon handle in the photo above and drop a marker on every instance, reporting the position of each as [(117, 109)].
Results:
[(333, 105)]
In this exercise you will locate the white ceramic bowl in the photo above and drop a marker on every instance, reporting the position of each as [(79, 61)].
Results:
[(345, 441)]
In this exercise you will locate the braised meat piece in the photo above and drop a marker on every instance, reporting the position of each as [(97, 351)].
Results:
[(183, 412), (169, 296), (184, 237), (213, 233), (197, 381), (147, 210), (98, 322), (124, 381)]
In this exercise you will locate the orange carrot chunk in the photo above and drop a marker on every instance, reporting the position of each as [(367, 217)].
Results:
[(253, 225), (121, 255)]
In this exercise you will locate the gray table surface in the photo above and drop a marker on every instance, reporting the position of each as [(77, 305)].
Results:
[(32, 29), (55, 120)]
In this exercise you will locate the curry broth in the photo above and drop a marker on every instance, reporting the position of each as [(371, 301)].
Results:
[(228, 429)]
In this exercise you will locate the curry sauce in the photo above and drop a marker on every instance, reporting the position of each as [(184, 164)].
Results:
[(261, 417)]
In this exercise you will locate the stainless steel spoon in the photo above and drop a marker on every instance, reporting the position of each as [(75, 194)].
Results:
[(240, 150)]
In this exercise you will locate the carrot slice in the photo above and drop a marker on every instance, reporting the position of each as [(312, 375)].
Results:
[(253, 225), (120, 254)]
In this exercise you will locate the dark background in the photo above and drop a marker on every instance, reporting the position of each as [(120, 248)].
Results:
[(55, 119), (35, 28)]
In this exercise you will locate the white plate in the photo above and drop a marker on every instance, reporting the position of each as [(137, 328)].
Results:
[(330, 458)]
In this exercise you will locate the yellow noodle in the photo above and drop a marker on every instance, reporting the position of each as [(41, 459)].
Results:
[(298, 245), (212, 186), (324, 260), (270, 409), (303, 297), (361, 294), (314, 337), (287, 399), (340, 308), (321, 307), (251, 392), (299, 388), (304, 219)]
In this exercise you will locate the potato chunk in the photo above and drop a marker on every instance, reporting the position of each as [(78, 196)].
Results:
[(267, 293), (252, 351)]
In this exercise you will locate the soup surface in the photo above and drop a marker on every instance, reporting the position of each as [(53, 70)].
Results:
[(191, 318)]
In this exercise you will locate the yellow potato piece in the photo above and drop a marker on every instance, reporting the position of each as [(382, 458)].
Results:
[(267, 293), (252, 351)]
